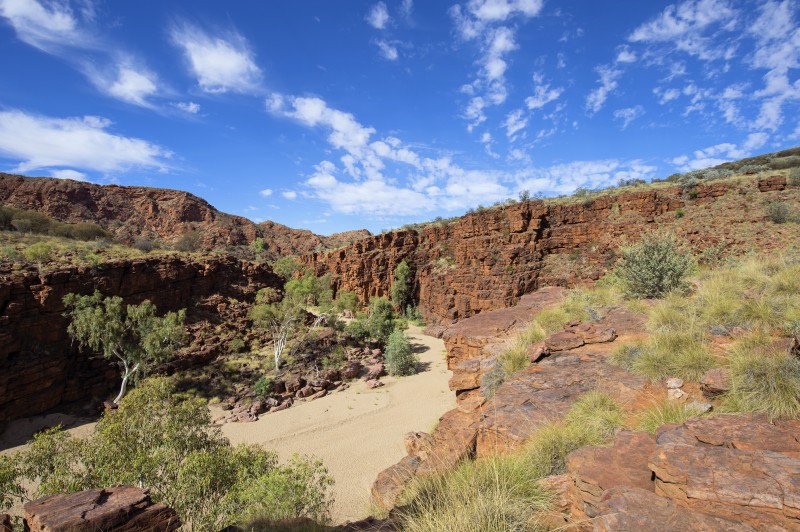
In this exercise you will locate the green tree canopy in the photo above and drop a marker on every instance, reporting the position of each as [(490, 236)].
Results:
[(166, 444), (401, 287), (131, 335)]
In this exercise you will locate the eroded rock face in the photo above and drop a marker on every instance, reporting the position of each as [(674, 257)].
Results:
[(488, 260), (156, 213), (119, 509), (41, 366)]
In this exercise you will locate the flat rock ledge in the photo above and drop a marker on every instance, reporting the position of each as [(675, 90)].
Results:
[(117, 509)]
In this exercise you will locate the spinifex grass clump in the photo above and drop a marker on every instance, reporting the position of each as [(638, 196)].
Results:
[(502, 492), (662, 413), (765, 378)]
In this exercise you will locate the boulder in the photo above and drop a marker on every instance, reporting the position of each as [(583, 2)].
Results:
[(118, 509), (321, 393), (330, 375), (537, 351), (294, 383), (5, 523), (563, 341), (305, 391), (624, 508), (716, 381), (282, 406), (351, 370), (418, 443), (246, 417), (674, 383), (374, 372), (596, 469), (760, 488), (374, 383), (391, 482)]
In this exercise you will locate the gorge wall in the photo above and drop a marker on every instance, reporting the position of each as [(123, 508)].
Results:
[(41, 366), (487, 260)]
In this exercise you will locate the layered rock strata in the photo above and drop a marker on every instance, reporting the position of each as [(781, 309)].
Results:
[(118, 509), (489, 259), (42, 368)]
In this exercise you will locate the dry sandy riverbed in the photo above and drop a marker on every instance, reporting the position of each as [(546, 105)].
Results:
[(358, 432)]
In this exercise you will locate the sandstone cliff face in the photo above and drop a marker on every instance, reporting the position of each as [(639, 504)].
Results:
[(41, 367), (488, 260), (156, 213)]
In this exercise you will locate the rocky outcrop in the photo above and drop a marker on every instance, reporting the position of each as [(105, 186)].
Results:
[(157, 214), (489, 259), (41, 366), (119, 509), (725, 472)]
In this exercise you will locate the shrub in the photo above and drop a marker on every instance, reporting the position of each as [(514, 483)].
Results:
[(654, 266), (263, 387), (778, 212), (237, 345), (188, 242), (143, 244), (166, 444), (346, 300), (401, 286), (661, 414), (258, 245), (381, 319), (794, 177), (286, 267), (400, 357), (39, 252)]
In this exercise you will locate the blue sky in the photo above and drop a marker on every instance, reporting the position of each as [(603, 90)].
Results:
[(341, 115)]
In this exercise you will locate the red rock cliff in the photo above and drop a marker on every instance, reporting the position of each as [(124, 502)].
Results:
[(42, 369), (489, 259)]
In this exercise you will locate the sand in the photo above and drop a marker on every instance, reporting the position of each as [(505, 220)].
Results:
[(358, 432)]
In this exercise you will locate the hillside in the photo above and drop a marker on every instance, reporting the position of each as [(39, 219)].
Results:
[(157, 214)]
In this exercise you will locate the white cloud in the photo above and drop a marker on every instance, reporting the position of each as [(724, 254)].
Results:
[(406, 8), (666, 96), (542, 94), (608, 83), (388, 51), (39, 142), (483, 21), (221, 63), (626, 56), (378, 16), (267, 192), (68, 174), (188, 107), (515, 122), (125, 82), (566, 178), (720, 153), (628, 115), (688, 17), (289, 194), (46, 26)]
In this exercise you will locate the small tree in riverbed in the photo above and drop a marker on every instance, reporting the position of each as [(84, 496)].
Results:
[(401, 287), (132, 336)]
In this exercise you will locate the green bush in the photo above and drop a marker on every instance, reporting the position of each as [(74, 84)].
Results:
[(286, 267), (346, 300), (794, 177), (778, 212), (381, 320), (263, 387), (189, 242), (654, 266), (39, 252), (401, 286), (167, 445), (237, 345), (400, 357)]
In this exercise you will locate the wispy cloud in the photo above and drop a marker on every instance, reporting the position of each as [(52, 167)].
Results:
[(484, 21), (38, 142), (720, 153), (58, 29), (628, 115), (68, 174), (188, 107), (221, 62), (267, 192), (609, 80), (378, 16), (388, 50)]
